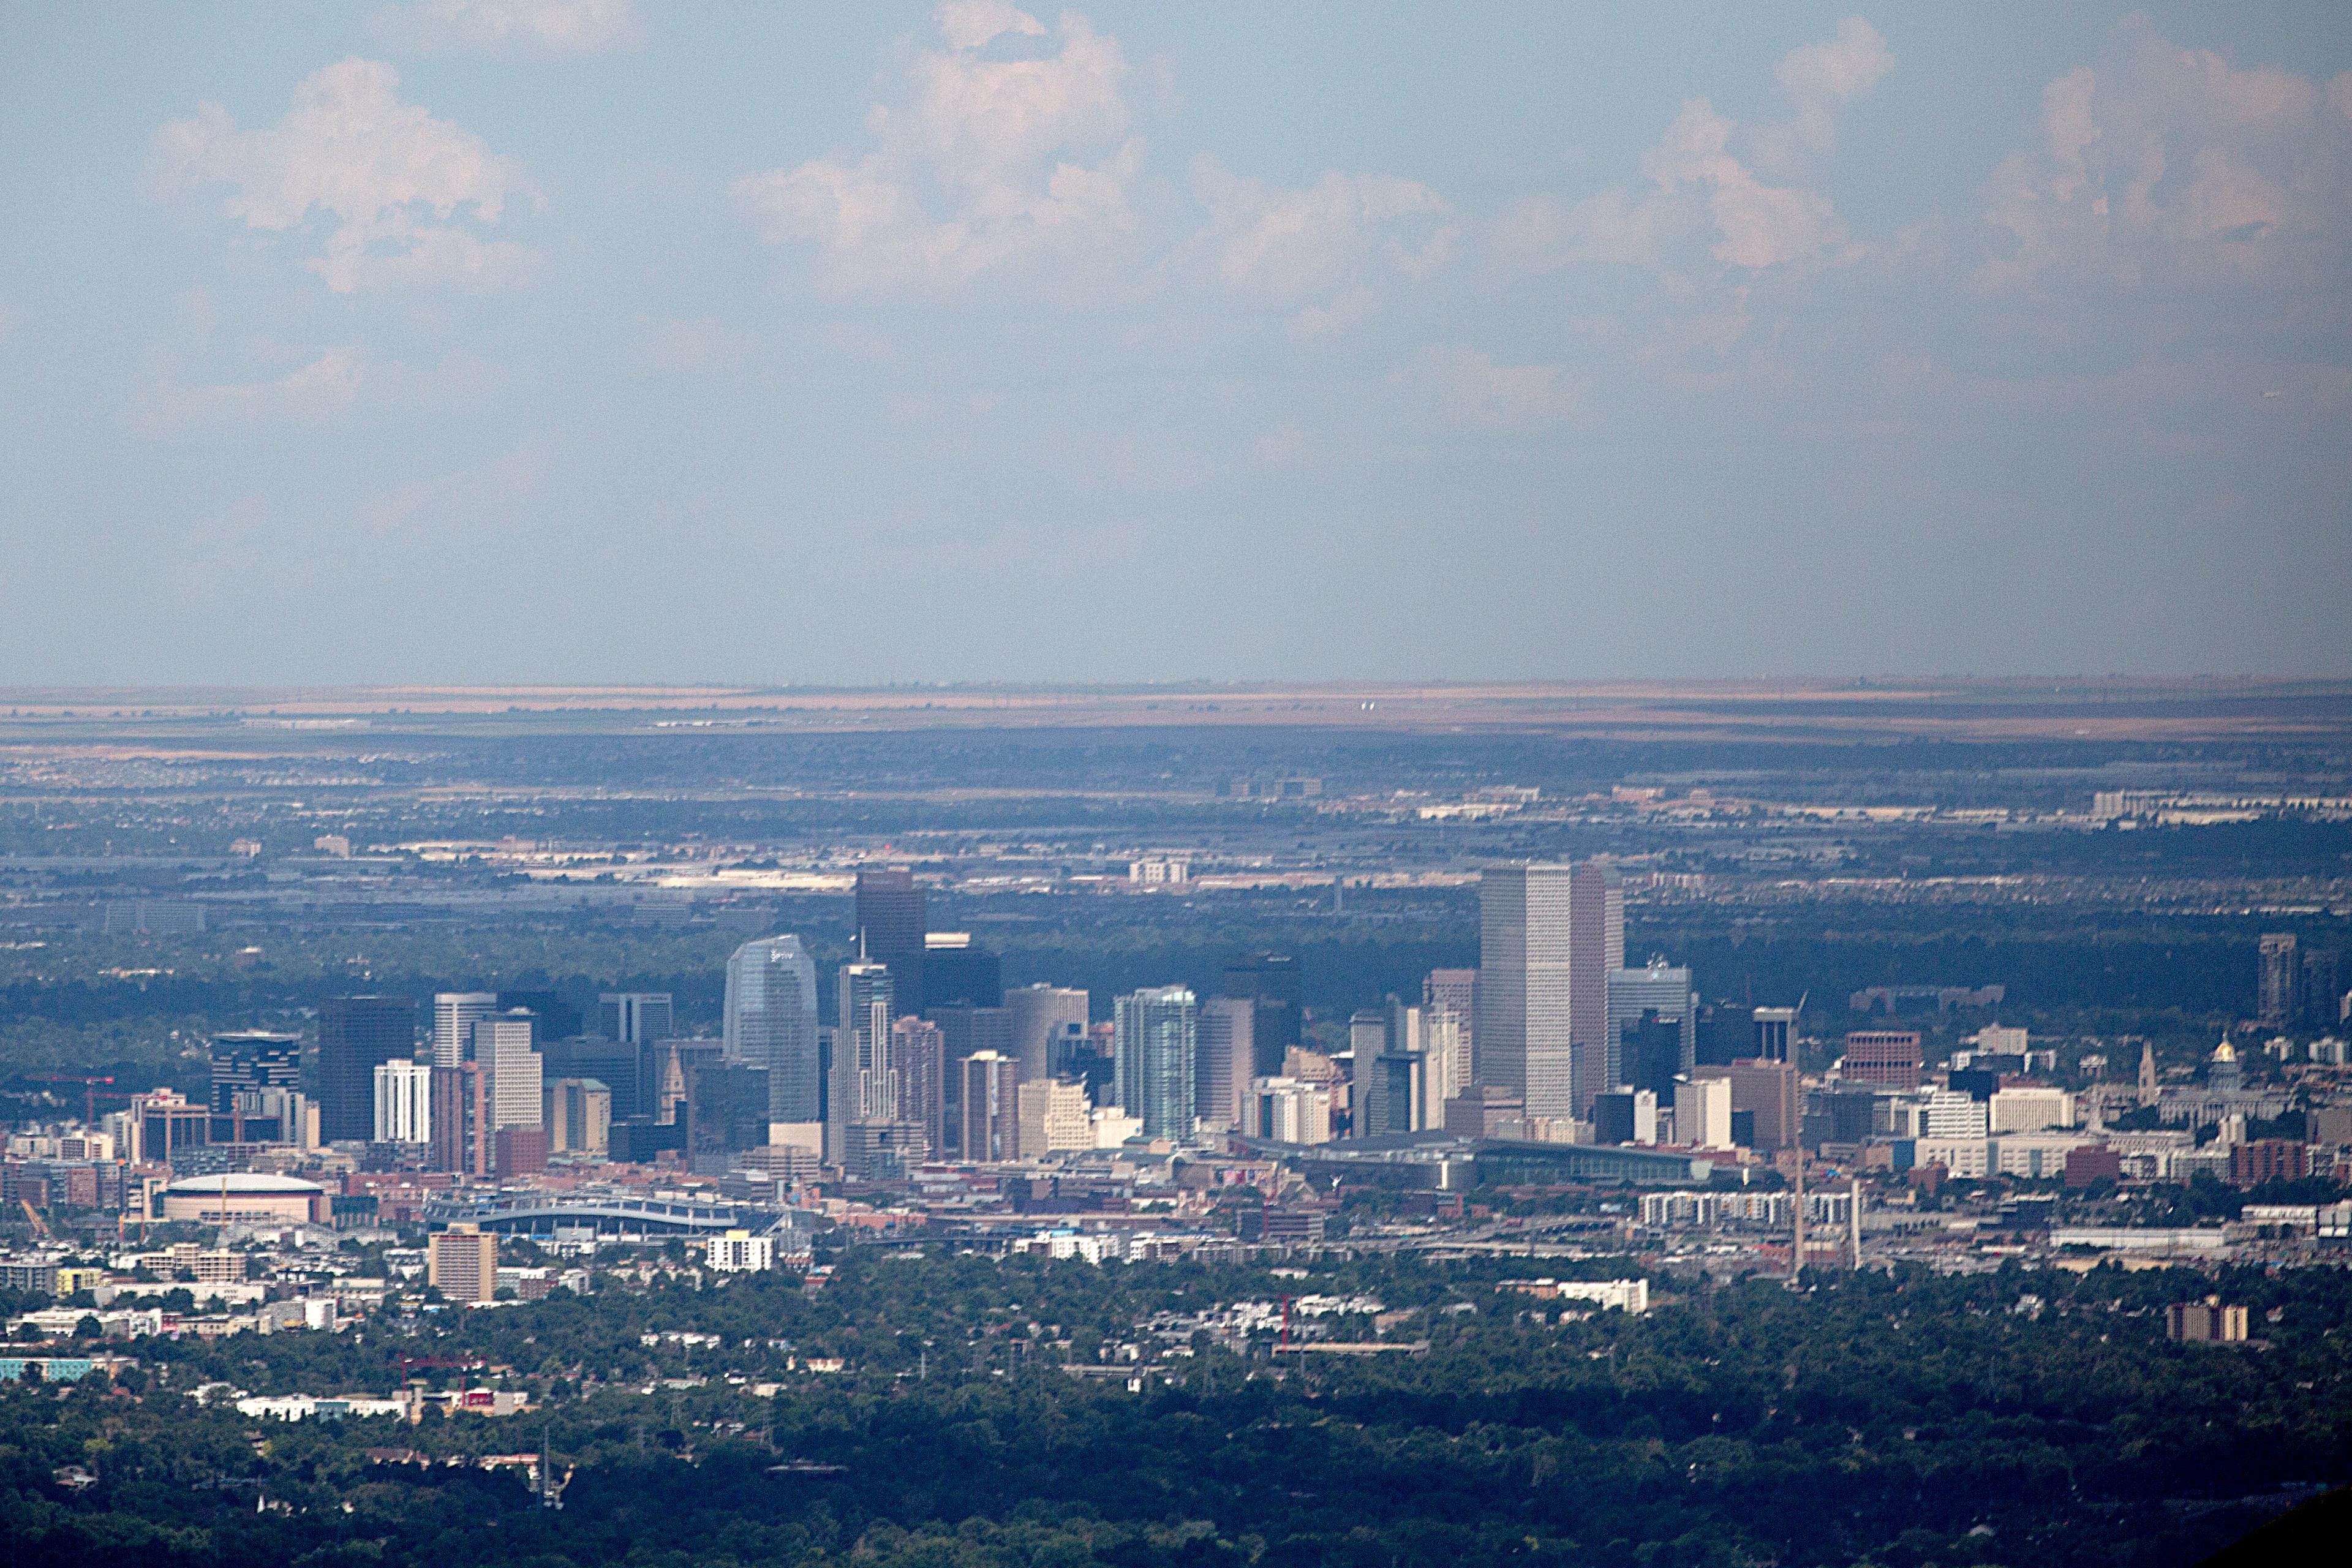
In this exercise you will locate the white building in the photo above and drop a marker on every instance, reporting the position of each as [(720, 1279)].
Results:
[(2031, 1110), (1288, 1110), (741, 1252), (1703, 1112), (453, 1015), (512, 1080), (1524, 985), (1054, 1117), (404, 1102)]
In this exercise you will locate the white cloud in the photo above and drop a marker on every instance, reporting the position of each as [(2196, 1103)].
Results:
[(509, 26), (1291, 244), (1820, 78), (2160, 163), (1758, 225), (407, 198), (984, 156), (316, 391)]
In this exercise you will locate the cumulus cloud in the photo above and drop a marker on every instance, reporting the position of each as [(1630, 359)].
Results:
[(1819, 78), (401, 197), (509, 26), (2160, 162), (1757, 224), (1008, 141), (1291, 243)]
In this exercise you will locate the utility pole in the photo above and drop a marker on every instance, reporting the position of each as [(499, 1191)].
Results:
[(1797, 1250), (1854, 1215)]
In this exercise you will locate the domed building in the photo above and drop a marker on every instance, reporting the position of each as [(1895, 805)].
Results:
[(2224, 1074), (245, 1198)]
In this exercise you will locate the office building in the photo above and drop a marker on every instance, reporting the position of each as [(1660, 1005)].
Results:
[(1156, 1059), (1657, 996), (2323, 990), (1596, 949), (518, 1151), (770, 1024), (1270, 982), (251, 1060), (921, 1083), (403, 1103), (1227, 1055), (1522, 1028), (356, 1036), (462, 1263), (625, 1068), (578, 1116), (557, 1017), (1039, 1014), (462, 1123), (965, 1030), (991, 1108), (957, 970), (1054, 1117), (890, 926), (1455, 992), (1776, 1034), (1889, 1057), (1703, 1113), (1287, 1111), (454, 1015), (506, 1049), (1625, 1116), (1483, 1111), (636, 1017), (2279, 996), (1768, 1094), (2206, 1321), (858, 1085), (725, 1112), (741, 1252)]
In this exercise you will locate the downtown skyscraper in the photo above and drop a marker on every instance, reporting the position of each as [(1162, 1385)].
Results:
[(1158, 1035), (770, 1024), (1549, 936)]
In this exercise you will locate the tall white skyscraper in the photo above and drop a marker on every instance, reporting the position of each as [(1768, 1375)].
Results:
[(454, 1013), (772, 1023), (512, 1081), (404, 1102), (1158, 1043), (860, 1086), (1522, 1028)]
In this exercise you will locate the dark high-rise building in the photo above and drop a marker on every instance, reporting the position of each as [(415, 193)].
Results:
[(619, 1065), (1270, 981), (558, 1019), (890, 923), (965, 1031), (256, 1058), (461, 1120), (639, 1018), (358, 1034), (2280, 982), (1651, 1050), (2322, 991), (726, 1112), (958, 970)]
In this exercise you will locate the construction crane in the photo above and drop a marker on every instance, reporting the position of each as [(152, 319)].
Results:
[(88, 1090)]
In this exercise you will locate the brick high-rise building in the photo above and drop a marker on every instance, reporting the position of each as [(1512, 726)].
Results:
[(1890, 1057)]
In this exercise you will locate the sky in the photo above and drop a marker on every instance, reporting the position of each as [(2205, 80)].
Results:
[(501, 341)]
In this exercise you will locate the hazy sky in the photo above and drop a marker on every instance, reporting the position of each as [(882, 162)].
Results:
[(501, 340)]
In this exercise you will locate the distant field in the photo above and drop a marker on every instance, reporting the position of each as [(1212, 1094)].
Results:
[(2177, 711)]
